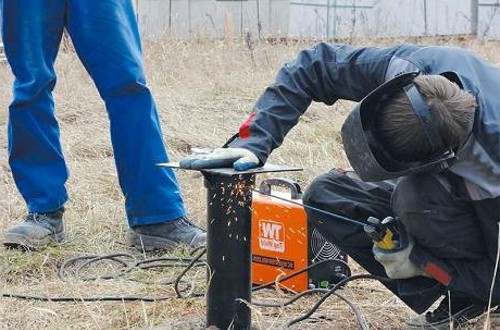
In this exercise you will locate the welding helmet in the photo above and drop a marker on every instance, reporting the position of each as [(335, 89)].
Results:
[(368, 157)]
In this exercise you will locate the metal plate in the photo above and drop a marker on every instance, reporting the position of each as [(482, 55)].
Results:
[(229, 171)]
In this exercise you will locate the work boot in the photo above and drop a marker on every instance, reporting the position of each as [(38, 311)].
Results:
[(37, 230), (166, 236), (461, 311)]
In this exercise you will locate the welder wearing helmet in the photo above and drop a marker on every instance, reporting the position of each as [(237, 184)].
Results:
[(424, 143), (106, 39)]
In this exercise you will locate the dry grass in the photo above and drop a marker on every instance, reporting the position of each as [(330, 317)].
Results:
[(204, 90)]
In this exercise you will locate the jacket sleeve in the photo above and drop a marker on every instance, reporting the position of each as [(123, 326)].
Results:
[(324, 73)]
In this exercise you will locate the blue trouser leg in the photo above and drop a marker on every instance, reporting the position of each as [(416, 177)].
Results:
[(107, 41), (32, 31), (106, 38)]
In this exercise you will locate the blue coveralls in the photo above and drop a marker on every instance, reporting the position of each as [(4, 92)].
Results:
[(106, 38)]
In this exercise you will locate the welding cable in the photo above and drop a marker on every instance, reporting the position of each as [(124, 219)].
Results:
[(308, 268), (360, 317), (356, 310), (331, 292), (290, 301), (87, 299), (181, 275), (87, 260), (81, 262)]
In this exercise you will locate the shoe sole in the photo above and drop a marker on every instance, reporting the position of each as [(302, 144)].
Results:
[(148, 243), (12, 240)]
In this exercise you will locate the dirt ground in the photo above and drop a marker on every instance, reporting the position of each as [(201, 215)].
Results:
[(204, 90)]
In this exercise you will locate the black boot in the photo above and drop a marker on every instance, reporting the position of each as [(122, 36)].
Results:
[(37, 230), (166, 236)]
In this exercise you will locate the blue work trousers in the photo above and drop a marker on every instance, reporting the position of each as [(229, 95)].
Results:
[(106, 38)]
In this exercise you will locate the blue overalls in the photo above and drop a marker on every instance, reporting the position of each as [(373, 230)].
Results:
[(106, 38)]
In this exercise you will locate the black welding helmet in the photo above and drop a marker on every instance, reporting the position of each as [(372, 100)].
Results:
[(368, 157)]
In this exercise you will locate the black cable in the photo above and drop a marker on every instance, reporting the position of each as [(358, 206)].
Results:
[(81, 262), (88, 260), (194, 262), (357, 312), (332, 291), (291, 300), (231, 139), (89, 299), (284, 278), (191, 264)]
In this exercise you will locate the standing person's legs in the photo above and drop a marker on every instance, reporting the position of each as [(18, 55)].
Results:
[(106, 38), (344, 194), (107, 41), (32, 31)]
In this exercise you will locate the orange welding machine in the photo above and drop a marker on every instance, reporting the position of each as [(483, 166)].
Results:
[(284, 243)]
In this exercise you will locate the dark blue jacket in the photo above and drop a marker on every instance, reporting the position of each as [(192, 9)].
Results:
[(327, 73)]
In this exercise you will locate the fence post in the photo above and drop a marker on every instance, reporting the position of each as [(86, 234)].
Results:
[(228, 27), (474, 8)]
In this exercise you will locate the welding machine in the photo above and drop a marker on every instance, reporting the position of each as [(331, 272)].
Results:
[(284, 243)]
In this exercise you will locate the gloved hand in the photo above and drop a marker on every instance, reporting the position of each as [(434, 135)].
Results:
[(239, 158), (397, 263)]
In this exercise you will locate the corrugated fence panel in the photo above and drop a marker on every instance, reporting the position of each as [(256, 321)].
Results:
[(369, 18), (489, 21), (315, 18), (211, 18)]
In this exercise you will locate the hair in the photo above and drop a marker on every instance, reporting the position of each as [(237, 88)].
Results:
[(452, 110)]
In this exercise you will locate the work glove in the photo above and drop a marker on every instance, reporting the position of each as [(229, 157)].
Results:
[(239, 158), (397, 263)]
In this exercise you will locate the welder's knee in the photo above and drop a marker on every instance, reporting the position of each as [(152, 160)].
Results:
[(340, 193), (432, 214), (331, 191), (316, 189), (327, 192), (412, 199)]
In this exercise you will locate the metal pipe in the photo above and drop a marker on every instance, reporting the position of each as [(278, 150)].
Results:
[(229, 254), (229, 292)]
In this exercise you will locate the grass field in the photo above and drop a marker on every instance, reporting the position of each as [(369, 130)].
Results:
[(204, 90)]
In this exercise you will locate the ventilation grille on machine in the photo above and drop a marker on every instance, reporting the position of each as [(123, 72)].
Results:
[(322, 249)]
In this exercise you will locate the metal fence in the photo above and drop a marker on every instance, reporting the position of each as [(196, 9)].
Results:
[(393, 18), (318, 18), (213, 18)]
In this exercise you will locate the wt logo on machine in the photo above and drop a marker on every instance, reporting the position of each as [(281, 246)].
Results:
[(272, 235)]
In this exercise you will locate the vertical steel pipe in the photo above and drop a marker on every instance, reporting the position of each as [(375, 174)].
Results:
[(229, 199), (229, 254)]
